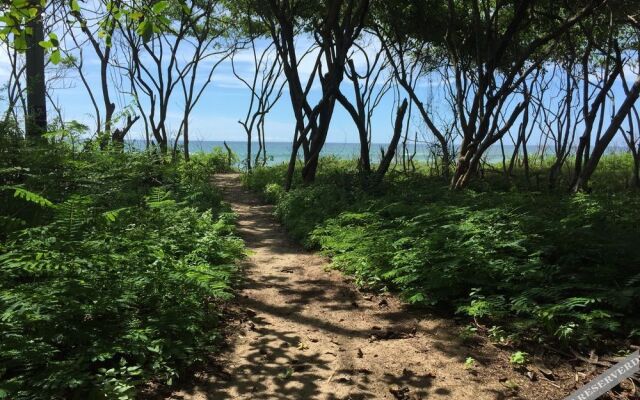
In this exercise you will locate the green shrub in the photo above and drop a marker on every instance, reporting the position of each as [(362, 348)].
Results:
[(259, 178), (115, 284), (542, 265), (273, 193), (218, 160), (300, 209)]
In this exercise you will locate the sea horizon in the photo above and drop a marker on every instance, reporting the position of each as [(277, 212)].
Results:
[(279, 151)]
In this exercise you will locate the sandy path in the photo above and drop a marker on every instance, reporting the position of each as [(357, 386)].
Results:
[(312, 335)]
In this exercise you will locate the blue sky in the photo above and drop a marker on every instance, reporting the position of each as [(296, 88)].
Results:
[(225, 101), (222, 105)]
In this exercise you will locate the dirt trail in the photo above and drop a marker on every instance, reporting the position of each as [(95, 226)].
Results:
[(312, 335)]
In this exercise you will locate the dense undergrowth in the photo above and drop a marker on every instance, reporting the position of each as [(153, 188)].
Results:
[(524, 264), (113, 266)]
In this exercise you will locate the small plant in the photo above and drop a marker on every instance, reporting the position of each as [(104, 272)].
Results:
[(497, 334), (519, 359), (470, 363), (468, 333)]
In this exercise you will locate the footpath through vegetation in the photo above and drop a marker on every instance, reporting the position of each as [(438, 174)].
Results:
[(529, 263), (118, 267), (537, 273), (308, 332)]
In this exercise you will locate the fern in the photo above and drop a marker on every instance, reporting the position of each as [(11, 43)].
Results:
[(550, 267), (159, 197), (112, 215), (104, 291), (72, 214), (31, 197)]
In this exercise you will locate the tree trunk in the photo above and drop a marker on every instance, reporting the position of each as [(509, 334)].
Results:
[(229, 154), (359, 119), (393, 145), (292, 162), (514, 157), (365, 161), (554, 173), (521, 141), (636, 168), (312, 160), (118, 135), (164, 146), (185, 138), (525, 161), (600, 147), (467, 151), (36, 118)]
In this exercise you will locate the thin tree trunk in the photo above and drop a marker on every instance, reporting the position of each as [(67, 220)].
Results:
[(229, 154), (249, 151), (297, 141), (636, 168), (185, 138), (36, 118), (310, 168), (521, 141), (393, 145), (600, 147), (525, 162)]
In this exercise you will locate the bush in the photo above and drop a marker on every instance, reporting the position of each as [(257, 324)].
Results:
[(219, 160), (301, 209), (118, 281), (273, 193), (261, 177), (545, 266)]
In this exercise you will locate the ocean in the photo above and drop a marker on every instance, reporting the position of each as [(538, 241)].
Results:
[(279, 152)]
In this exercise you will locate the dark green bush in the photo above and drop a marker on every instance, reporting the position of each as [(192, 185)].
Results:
[(547, 266), (114, 283)]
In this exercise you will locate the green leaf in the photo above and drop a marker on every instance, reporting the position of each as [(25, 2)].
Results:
[(136, 15), (20, 42), (55, 57), (32, 197), (145, 30), (160, 7), (53, 38), (112, 215)]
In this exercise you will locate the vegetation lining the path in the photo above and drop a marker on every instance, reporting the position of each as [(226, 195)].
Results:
[(113, 267), (525, 264)]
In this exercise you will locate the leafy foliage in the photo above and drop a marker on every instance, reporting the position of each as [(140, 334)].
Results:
[(118, 283), (32, 197), (519, 358), (543, 266)]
